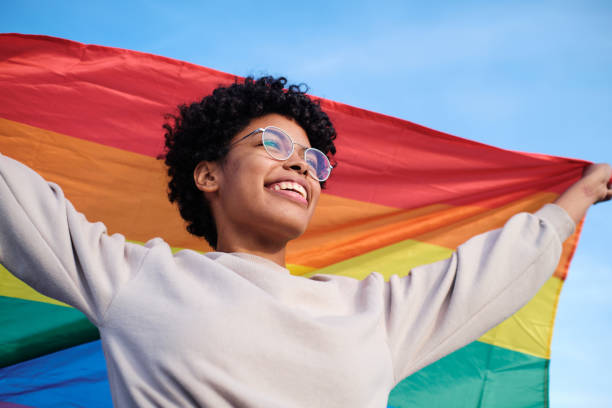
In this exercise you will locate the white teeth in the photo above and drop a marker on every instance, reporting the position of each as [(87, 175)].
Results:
[(287, 185)]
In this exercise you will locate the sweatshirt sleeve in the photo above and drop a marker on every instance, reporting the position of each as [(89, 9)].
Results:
[(440, 307), (46, 243)]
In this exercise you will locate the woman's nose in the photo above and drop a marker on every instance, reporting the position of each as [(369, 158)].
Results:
[(297, 162)]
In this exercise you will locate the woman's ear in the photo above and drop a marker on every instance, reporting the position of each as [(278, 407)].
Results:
[(206, 176)]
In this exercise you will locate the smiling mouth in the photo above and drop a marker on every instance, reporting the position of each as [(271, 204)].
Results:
[(289, 189)]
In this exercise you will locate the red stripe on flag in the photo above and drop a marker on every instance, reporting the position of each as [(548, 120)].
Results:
[(119, 97)]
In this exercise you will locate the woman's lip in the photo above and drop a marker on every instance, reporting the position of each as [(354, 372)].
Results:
[(292, 195), (290, 180)]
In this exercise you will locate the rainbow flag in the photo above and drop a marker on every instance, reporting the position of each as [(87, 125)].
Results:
[(89, 118)]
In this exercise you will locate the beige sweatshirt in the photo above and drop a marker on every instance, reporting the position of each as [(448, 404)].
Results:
[(221, 330)]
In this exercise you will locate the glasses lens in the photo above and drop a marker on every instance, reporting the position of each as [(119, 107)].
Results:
[(277, 143), (318, 164)]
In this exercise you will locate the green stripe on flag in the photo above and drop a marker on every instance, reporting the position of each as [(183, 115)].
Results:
[(478, 375), (31, 329)]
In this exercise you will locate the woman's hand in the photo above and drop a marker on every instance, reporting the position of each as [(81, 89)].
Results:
[(593, 187), (596, 180)]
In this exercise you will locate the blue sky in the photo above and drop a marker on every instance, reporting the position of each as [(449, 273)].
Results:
[(522, 75)]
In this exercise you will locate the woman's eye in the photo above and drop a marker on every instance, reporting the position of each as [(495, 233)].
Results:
[(272, 144)]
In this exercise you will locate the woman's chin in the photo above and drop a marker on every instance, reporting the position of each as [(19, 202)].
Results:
[(289, 232)]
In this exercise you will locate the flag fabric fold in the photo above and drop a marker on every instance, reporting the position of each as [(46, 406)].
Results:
[(89, 119)]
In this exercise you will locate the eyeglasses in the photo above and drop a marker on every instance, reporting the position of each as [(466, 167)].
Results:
[(280, 146)]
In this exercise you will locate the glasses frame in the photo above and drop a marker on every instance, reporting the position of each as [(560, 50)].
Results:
[(306, 149)]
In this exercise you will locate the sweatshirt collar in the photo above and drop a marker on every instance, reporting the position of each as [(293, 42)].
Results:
[(256, 260)]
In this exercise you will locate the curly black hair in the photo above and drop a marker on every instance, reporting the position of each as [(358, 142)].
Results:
[(202, 131)]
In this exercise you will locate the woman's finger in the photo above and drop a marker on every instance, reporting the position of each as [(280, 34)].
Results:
[(607, 197)]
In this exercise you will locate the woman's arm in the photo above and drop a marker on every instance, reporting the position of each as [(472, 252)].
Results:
[(594, 187), (46, 243), (441, 307)]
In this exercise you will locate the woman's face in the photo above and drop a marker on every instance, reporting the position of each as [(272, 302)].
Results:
[(259, 197)]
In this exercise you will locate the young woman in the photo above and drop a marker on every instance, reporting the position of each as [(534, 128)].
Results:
[(233, 327)]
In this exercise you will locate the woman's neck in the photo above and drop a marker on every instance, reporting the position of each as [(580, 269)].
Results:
[(268, 250)]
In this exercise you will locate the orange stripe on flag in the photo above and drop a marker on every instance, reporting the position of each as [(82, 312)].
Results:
[(126, 191)]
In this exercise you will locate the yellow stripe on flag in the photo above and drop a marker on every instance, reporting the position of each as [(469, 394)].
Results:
[(397, 259), (10, 286), (530, 329)]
